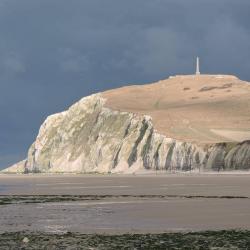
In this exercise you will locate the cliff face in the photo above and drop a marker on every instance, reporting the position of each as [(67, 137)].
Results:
[(90, 137)]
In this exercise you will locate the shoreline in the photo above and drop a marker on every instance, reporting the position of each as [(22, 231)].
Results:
[(138, 174)]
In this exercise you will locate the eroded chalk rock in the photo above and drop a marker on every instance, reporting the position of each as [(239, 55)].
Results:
[(89, 137)]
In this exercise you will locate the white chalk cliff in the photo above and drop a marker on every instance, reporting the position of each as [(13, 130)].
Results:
[(92, 137)]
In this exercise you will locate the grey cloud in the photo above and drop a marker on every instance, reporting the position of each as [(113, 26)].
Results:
[(13, 64), (75, 64)]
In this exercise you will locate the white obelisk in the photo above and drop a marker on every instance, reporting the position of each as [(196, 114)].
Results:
[(197, 66)]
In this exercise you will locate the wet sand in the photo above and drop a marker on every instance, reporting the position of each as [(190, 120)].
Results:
[(173, 184), (124, 204), (127, 215)]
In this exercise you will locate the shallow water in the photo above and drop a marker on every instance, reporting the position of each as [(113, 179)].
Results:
[(3, 188), (122, 214)]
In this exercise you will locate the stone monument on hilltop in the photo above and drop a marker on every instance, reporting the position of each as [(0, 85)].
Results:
[(197, 66)]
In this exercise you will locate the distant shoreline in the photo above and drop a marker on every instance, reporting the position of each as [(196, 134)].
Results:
[(139, 173)]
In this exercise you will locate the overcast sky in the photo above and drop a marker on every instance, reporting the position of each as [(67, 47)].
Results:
[(53, 52)]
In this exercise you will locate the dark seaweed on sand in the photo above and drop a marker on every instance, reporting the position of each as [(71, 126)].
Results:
[(227, 239), (25, 199)]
